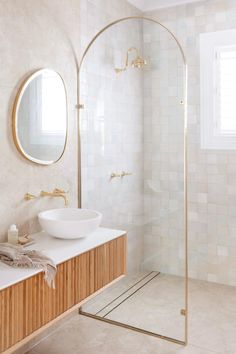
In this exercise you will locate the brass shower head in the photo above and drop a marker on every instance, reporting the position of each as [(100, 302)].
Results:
[(138, 62)]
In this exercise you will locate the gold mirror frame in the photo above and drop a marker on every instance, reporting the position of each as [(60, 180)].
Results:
[(185, 311), (17, 102)]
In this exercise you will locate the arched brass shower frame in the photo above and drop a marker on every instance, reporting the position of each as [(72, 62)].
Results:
[(184, 102)]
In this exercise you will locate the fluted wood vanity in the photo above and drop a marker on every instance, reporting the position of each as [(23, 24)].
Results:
[(28, 304)]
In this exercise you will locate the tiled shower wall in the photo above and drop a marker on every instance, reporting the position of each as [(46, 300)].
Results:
[(129, 123), (164, 84), (112, 124), (211, 174)]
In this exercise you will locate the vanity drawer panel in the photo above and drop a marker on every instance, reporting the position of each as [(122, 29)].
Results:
[(31, 304), (11, 315)]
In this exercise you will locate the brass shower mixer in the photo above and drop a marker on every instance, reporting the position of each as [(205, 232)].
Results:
[(120, 175), (138, 62)]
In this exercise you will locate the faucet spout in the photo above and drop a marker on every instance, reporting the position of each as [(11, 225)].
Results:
[(56, 193)]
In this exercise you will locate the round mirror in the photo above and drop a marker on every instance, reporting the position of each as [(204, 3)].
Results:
[(40, 118)]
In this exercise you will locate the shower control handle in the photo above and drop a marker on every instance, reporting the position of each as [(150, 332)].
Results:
[(115, 175), (120, 175), (123, 173)]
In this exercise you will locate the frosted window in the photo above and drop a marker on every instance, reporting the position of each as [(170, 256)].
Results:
[(218, 90), (226, 90)]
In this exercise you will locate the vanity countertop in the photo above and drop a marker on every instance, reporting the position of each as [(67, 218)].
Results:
[(58, 250)]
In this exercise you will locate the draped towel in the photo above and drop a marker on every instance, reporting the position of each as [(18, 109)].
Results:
[(17, 256)]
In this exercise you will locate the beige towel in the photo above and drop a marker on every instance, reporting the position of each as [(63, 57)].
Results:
[(17, 256)]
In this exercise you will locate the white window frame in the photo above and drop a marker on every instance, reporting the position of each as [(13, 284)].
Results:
[(211, 136)]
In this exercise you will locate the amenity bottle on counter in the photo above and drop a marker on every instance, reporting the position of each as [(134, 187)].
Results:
[(13, 235)]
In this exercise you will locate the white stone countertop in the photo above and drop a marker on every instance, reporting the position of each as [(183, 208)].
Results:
[(58, 250)]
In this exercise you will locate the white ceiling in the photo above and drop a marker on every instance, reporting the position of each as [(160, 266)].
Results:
[(147, 5)]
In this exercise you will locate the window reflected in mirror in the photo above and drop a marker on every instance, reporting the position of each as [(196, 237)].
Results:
[(40, 118)]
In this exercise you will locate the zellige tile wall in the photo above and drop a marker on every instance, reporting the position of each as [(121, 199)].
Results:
[(211, 174), (164, 75), (112, 122)]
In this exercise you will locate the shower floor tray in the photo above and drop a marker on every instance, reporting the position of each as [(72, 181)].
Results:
[(149, 302)]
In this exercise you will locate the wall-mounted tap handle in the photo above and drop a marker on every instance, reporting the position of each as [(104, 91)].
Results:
[(115, 175), (120, 175), (29, 196), (123, 173), (57, 190)]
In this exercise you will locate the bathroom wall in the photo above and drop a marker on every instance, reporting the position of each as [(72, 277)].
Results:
[(164, 83), (42, 34), (35, 34), (211, 174), (96, 14), (112, 123)]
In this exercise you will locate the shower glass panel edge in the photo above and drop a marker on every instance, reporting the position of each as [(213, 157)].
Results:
[(183, 251)]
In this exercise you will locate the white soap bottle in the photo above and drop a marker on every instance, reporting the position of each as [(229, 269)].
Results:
[(13, 235)]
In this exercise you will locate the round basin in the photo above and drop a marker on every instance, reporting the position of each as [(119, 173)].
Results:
[(69, 223)]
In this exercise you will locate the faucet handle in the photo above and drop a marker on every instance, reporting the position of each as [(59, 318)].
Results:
[(115, 175), (123, 173), (57, 190), (29, 196)]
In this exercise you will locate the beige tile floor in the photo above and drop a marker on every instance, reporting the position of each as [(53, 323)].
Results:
[(212, 329), (152, 302)]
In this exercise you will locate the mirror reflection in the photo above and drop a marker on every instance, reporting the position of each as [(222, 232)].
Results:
[(40, 118)]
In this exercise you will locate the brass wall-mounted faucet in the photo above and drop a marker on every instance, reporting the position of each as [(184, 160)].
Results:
[(123, 174), (56, 193), (120, 175), (29, 196)]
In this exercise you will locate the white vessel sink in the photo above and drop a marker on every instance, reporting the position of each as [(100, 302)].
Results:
[(69, 223)]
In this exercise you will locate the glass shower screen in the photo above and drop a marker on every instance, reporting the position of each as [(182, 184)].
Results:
[(133, 88)]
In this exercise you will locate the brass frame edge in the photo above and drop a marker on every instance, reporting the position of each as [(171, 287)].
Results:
[(185, 342), (136, 329), (18, 96), (130, 18), (186, 200)]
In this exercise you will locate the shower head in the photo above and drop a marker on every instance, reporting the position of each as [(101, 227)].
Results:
[(138, 62)]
